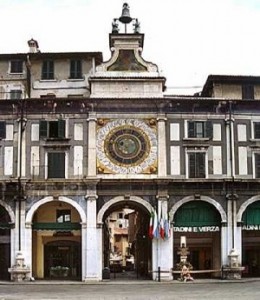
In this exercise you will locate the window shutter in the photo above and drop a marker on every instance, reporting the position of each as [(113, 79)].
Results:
[(257, 130), (72, 69), (192, 166), (191, 129), (200, 165), (43, 129), (61, 128), (56, 165), (257, 165), (209, 129), (2, 130)]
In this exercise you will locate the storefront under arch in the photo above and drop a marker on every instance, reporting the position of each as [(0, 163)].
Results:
[(56, 241), (250, 226), (198, 223)]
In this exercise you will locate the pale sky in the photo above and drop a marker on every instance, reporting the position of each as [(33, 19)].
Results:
[(187, 39)]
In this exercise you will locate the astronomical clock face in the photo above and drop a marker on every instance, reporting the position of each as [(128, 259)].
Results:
[(127, 146)]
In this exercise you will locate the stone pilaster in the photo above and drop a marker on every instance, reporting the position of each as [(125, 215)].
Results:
[(91, 245), (162, 162), (92, 171)]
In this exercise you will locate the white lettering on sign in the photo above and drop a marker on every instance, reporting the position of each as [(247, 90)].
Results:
[(196, 229), (251, 227)]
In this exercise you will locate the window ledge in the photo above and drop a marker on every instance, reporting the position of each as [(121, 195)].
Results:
[(75, 79), (196, 139), (48, 80), (57, 139), (18, 73)]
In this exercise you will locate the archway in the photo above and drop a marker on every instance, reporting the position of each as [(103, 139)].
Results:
[(249, 218), (197, 225), (127, 249), (56, 238), (6, 223)]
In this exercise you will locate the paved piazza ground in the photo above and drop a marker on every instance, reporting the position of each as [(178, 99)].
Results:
[(132, 291)]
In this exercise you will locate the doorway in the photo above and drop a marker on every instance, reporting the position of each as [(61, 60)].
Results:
[(62, 260)]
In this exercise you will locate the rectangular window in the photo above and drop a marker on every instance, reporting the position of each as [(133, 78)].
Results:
[(56, 165), (15, 94), (200, 129), (75, 69), (63, 216), (48, 70), (256, 130), (257, 165), (196, 161), (16, 66), (248, 91), (52, 129)]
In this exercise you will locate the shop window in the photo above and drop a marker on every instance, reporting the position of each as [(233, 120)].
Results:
[(196, 165), (56, 165), (15, 94), (256, 130), (75, 69), (200, 129), (248, 91), (52, 129), (16, 66), (48, 70), (2, 130), (63, 215)]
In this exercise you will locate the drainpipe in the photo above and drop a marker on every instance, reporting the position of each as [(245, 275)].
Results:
[(19, 167)]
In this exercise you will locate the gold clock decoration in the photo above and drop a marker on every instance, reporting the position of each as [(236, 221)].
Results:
[(127, 146)]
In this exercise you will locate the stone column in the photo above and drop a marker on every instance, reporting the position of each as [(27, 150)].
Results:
[(162, 161), (20, 240), (92, 171), (229, 225), (28, 246), (163, 248), (224, 244), (83, 250), (91, 247)]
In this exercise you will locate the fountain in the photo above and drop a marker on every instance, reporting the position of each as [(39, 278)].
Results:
[(19, 272), (233, 270)]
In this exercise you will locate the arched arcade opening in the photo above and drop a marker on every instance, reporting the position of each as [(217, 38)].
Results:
[(251, 240), (197, 226), (127, 248), (56, 242)]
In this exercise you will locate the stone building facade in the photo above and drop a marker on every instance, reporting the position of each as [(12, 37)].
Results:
[(81, 138)]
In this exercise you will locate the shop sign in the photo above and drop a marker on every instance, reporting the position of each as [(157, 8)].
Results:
[(196, 229), (251, 227)]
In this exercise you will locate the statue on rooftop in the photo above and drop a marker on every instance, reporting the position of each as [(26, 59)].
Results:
[(115, 28), (136, 26)]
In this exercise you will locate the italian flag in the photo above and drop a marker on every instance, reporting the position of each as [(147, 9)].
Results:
[(150, 231), (162, 229)]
